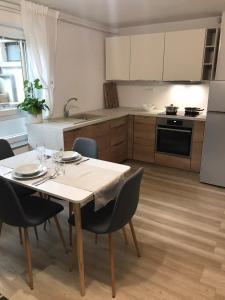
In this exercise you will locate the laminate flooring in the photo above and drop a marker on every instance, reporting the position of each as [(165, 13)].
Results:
[(180, 225)]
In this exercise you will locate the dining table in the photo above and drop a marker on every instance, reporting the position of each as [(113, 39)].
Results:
[(78, 185)]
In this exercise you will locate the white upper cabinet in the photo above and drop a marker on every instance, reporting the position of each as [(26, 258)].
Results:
[(147, 52), (184, 55), (118, 58)]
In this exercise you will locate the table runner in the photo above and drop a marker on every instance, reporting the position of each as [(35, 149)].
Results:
[(104, 183)]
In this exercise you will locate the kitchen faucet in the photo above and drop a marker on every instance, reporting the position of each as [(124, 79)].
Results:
[(65, 110)]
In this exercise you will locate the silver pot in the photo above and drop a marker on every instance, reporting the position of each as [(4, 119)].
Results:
[(171, 110)]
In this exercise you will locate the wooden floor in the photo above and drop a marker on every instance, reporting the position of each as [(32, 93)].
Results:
[(180, 224)]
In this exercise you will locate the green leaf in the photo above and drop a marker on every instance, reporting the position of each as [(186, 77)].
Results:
[(32, 103)]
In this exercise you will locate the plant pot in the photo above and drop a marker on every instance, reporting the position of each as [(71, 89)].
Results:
[(34, 119)]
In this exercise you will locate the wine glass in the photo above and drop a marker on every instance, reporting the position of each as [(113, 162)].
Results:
[(59, 165), (40, 154)]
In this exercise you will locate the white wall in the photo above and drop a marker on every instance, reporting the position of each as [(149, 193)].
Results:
[(161, 94), (80, 67)]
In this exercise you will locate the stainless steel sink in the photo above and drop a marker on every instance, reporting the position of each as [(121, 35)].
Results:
[(87, 117), (78, 118)]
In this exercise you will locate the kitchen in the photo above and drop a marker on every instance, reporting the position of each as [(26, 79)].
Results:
[(148, 88)]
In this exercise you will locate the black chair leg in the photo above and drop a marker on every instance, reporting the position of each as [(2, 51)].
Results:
[(20, 235), (96, 239), (36, 233), (135, 239), (112, 265), (1, 227), (26, 243)]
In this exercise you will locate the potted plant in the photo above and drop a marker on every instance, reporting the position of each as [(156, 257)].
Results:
[(32, 104)]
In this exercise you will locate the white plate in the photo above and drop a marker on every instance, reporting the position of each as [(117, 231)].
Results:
[(71, 160), (28, 169), (70, 155), (21, 177)]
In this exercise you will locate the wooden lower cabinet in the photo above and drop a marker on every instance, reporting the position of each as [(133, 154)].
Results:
[(118, 139), (144, 138), (173, 161), (133, 137), (111, 137), (197, 144), (99, 132)]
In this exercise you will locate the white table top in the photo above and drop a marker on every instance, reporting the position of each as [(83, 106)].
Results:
[(63, 191)]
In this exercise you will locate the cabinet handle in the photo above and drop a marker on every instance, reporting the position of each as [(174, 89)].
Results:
[(119, 143)]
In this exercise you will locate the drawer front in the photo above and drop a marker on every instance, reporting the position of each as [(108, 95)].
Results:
[(144, 131), (118, 122), (173, 161), (118, 153), (70, 136), (103, 143), (145, 120), (100, 129), (144, 152), (118, 135)]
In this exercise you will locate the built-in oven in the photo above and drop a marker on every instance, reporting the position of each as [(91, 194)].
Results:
[(174, 136)]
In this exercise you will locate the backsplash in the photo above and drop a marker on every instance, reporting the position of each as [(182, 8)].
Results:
[(162, 94)]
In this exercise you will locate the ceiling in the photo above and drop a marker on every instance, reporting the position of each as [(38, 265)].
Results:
[(122, 13)]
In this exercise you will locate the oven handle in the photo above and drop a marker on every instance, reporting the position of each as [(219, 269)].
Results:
[(171, 129)]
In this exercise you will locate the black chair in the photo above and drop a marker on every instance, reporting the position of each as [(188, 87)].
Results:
[(114, 216), (6, 152), (86, 147), (27, 212)]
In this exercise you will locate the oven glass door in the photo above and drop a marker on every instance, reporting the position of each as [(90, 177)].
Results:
[(174, 140)]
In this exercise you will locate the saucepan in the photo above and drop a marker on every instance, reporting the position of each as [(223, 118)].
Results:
[(193, 111), (171, 110)]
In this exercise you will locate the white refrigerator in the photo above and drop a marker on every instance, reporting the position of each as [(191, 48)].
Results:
[(213, 153)]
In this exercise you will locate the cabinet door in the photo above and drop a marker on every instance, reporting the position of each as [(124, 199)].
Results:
[(184, 55), (147, 52), (144, 138), (118, 58), (118, 139), (197, 143)]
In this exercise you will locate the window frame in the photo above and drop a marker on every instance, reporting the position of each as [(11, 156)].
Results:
[(13, 111)]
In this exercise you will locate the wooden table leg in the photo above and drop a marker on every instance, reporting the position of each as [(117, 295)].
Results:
[(80, 250)]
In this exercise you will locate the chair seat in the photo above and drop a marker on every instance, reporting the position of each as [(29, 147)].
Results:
[(22, 191), (39, 210), (97, 222)]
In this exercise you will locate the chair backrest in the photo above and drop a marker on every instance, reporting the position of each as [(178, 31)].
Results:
[(11, 211), (86, 147), (126, 201), (5, 149)]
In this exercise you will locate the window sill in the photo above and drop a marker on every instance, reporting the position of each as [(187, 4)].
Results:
[(17, 140), (11, 113)]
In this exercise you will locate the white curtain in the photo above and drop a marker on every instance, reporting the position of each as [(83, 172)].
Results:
[(40, 30)]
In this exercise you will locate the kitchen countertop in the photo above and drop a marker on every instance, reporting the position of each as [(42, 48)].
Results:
[(108, 114)]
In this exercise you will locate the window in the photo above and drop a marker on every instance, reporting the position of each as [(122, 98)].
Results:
[(12, 72)]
